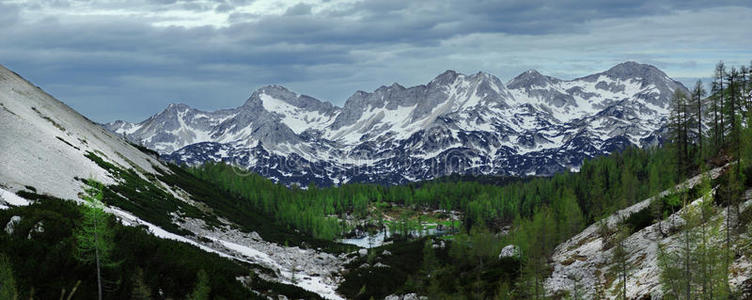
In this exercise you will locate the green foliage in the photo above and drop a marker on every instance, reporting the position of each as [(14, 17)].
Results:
[(620, 261), (696, 267), (202, 289), (46, 264), (362, 283), (626, 176), (7, 282), (145, 199), (233, 197), (150, 201), (94, 236), (568, 214), (639, 220), (141, 290)]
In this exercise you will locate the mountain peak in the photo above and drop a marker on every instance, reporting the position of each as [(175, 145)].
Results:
[(532, 72), (530, 78), (633, 69), (274, 88), (178, 107), (396, 124), (274, 91), (446, 77), (480, 75)]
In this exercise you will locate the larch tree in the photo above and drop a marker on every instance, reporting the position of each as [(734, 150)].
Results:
[(709, 276), (568, 214), (678, 262), (720, 74), (732, 105), (679, 126), (698, 93), (620, 260), (94, 237), (715, 106), (744, 74)]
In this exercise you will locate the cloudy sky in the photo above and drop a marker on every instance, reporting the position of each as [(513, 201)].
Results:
[(127, 59)]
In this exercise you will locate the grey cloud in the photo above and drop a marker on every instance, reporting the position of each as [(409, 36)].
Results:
[(224, 7), (139, 68), (8, 15), (298, 10)]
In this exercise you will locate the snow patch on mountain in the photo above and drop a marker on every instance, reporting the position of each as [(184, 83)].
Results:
[(8, 198), (296, 118)]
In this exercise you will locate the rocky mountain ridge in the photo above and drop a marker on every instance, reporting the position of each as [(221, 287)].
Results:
[(456, 123)]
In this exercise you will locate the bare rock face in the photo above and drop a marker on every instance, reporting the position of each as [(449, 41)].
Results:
[(584, 260), (410, 296), (11, 226), (509, 251), (38, 228)]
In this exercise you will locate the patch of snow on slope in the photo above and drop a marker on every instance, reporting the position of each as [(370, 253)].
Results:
[(129, 219), (314, 269), (294, 117), (12, 199)]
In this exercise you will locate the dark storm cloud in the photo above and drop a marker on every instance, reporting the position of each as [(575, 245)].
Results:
[(328, 52)]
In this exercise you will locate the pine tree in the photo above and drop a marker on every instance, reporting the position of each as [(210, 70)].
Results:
[(629, 185), (536, 241), (94, 238), (294, 272)]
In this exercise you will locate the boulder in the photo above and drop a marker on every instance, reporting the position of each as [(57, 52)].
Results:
[(509, 251), (14, 220)]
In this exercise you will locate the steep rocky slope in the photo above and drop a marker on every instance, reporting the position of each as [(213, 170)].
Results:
[(586, 260), (48, 148)]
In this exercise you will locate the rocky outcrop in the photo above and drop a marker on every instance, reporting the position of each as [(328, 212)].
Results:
[(585, 260)]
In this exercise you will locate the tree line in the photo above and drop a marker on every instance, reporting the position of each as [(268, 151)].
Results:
[(602, 185)]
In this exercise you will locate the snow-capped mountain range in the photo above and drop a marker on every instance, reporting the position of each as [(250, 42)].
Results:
[(456, 123)]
